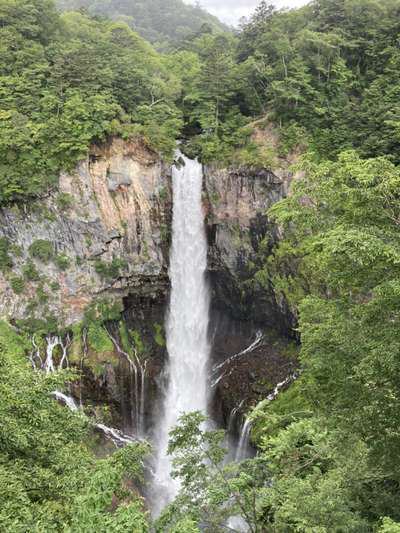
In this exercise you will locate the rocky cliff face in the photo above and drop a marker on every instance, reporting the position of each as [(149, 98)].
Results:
[(241, 236), (105, 235), (106, 230), (251, 351)]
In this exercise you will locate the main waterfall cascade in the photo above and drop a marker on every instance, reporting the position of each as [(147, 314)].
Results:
[(186, 322)]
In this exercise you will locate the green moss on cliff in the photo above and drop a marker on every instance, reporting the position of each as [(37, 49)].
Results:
[(5, 259), (98, 339), (159, 335), (42, 250)]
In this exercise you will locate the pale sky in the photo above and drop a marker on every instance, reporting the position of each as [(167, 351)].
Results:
[(230, 11)]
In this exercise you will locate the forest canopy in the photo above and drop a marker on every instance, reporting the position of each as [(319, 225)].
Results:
[(67, 81), (162, 22), (325, 74)]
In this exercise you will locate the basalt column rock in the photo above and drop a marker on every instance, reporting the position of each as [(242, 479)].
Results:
[(240, 238), (249, 326)]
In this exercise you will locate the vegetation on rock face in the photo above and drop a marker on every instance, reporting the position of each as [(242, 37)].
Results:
[(62, 261), (30, 272), (49, 478), (17, 284), (110, 270), (42, 250), (5, 258), (98, 338)]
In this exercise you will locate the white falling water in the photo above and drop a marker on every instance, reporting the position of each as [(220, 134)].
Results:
[(115, 435), (243, 446), (187, 320), (67, 400)]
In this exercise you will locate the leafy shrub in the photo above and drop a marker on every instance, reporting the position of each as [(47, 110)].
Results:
[(137, 340), (62, 261), (254, 156), (5, 259), (64, 201), (17, 284), (110, 270), (42, 295), (389, 526), (159, 335), (16, 250), (98, 338), (30, 272), (54, 286), (42, 250), (291, 137), (103, 310), (124, 336)]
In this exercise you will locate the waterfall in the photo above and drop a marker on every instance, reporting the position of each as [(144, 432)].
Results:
[(186, 322), (115, 435), (137, 368), (233, 417), (141, 429), (67, 400), (243, 446)]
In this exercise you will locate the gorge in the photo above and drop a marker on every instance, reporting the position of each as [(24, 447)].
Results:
[(205, 340), (122, 200)]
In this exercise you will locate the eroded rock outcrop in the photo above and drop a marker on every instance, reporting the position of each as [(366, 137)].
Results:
[(107, 228), (241, 237)]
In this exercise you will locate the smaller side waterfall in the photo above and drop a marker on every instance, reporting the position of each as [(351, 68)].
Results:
[(225, 368), (242, 451), (67, 400), (49, 365), (232, 420), (138, 384), (117, 437)]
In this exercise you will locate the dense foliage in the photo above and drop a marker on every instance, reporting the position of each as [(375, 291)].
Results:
[(328, 447), (162, 22), (328, 68), (326, 76), (67, 81)]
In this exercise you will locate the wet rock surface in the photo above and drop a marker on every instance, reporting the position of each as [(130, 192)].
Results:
[(250, 327), (248, 360), (241, 236)]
